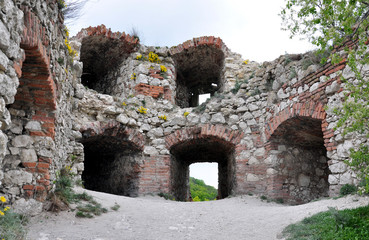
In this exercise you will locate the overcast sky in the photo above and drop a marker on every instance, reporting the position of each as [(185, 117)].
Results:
[(249, 27)]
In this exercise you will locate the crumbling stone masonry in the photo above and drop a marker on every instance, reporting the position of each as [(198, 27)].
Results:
[(270, 126)]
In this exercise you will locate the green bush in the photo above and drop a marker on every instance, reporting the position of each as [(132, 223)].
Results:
[(202, 192), (348, 189), (333, 224), (12, 226)]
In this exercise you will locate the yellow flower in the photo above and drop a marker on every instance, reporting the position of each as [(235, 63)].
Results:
[(246, 61), (124, 103), (139, 57), (153, 57), (163, 117), (1, 213), (163, 68), (142, 110), (2, 199), (186, 114), (133, 76), (6, 209)]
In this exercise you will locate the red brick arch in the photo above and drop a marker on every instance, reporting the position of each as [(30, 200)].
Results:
[(37, 94), (195, 42), (310, 109), (192, 133), (114, 129), (37, 89)]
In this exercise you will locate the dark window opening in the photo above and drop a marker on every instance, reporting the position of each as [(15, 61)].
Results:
[(101, 57), (198, 72)]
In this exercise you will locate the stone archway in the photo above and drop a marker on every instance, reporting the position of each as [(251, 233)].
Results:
[(209, 143), (112, 158), (297, 159)]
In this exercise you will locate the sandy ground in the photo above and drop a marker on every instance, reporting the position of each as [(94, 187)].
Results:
[(242, 217)]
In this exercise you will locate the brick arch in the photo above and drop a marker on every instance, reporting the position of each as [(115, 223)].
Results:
[(114, 129), (36, 96), (199, 63), (206, 131), (314, 110), (102, 51), (36, 87), (103, 31), (210, 41), (300, 139)]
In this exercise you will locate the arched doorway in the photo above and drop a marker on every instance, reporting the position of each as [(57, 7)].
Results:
[(112, 161), (298, 164), (209, 149)]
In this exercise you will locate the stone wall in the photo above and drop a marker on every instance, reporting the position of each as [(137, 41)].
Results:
[(129, 124), (269, 126), (37, 78)]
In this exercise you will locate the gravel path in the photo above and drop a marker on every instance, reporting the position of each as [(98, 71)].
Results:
[(242, 217)]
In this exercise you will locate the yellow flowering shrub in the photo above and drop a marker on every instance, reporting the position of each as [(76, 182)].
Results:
[(139, 57), (62, 4), (142, 110), (246, 61), (71, 52), (186, 114), (133, 76), (124, 104), (163, 117), (2, 208), (163, 68), (154, 58)]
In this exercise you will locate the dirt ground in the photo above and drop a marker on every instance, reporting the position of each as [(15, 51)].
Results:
[(241, 217)]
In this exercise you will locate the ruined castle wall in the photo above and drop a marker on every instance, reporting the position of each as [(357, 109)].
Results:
[(271, 116), (270, 127), (37, 95)]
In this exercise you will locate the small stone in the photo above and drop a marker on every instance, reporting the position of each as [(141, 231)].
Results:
[(33, 126), (233, 119), (28, 155), (22, 141), (122, 118), (155, 82), (180, 121), (145, 127), (314, 87), (252, 177), (253, 107), (3, 144), (247, 116), (17, 177), (157, 132), (217, 118), (271, 171), (303, 180), (281, 94), (3, 62), (339, 167), (259, 152), (30, 207), (5, 37), (149, 150)]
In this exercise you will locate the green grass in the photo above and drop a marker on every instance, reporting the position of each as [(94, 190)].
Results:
[(12, 226), (347, 224), (115, 207), (90, 209)]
